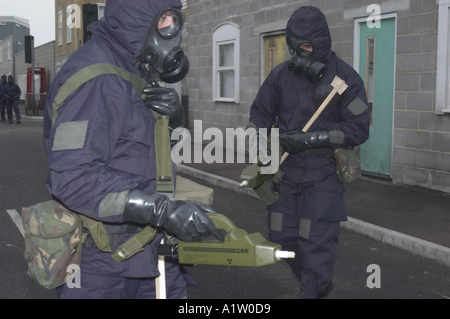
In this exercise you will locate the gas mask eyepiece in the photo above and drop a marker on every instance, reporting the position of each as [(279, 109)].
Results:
[(303, 60), (162, 48)]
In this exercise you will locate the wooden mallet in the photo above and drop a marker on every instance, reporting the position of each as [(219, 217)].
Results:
[(339, 87)]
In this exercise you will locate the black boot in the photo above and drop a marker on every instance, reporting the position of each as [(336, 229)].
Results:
[(321, 294)]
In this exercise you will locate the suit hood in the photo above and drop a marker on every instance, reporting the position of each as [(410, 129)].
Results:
[(128, 21), (309, 23)]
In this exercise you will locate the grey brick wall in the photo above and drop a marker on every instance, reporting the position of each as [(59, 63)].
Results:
[(421, 152)]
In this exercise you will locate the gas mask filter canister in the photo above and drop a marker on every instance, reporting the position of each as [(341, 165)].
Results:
[(162, 48), (304, 61)]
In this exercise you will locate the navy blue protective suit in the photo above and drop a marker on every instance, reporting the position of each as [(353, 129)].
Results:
[(306, 217), (3, 98), (112, 151), (12, 93)]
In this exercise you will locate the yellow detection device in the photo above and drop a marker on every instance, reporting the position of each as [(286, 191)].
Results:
[(238, 249)]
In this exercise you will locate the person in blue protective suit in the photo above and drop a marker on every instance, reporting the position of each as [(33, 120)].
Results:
[(12, 93), (101, 149), (3, 98), (306, 217)]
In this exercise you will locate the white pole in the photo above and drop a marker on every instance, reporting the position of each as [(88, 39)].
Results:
[(160, 282)]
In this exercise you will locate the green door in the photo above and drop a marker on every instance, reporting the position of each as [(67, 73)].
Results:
[(376, 68)]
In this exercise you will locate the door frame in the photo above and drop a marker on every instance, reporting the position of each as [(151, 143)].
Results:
[(356, 61)]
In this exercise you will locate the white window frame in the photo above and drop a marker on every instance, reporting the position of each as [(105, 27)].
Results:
[(443, 60), (69, 29), (60, 28), (184, 4), (101, 10), (223, 34)]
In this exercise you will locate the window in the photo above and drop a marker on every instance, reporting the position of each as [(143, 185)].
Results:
[(69, 29), (9, 51), (443, 55), (226, 63), (226, 70), (101, 10), (60, 27), (184, 4), (370, 67), (271, 58)]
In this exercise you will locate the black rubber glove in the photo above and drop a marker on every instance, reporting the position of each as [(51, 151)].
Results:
[(187, 220), (165, 101), (297, 142)]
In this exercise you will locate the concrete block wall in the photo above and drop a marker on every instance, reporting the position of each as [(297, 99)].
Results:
[(421, 150)]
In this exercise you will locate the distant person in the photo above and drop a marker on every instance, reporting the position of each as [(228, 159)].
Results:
[(12, 92), (3, 97)]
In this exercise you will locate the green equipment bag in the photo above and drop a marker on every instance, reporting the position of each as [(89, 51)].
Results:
[(53, 239), (348, 163)]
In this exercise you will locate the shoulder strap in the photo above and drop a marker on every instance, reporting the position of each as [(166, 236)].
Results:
[(88, 73)]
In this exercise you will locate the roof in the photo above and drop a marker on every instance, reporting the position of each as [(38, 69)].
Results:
[(21, 21)]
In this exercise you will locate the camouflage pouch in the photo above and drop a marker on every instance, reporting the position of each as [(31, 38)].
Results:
[(53, 239), (348, 163)]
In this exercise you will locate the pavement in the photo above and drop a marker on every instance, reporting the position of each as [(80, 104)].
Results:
[(413, 219)]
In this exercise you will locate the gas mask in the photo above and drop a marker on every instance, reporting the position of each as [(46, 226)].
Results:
[(304, 61), (162, 48)]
